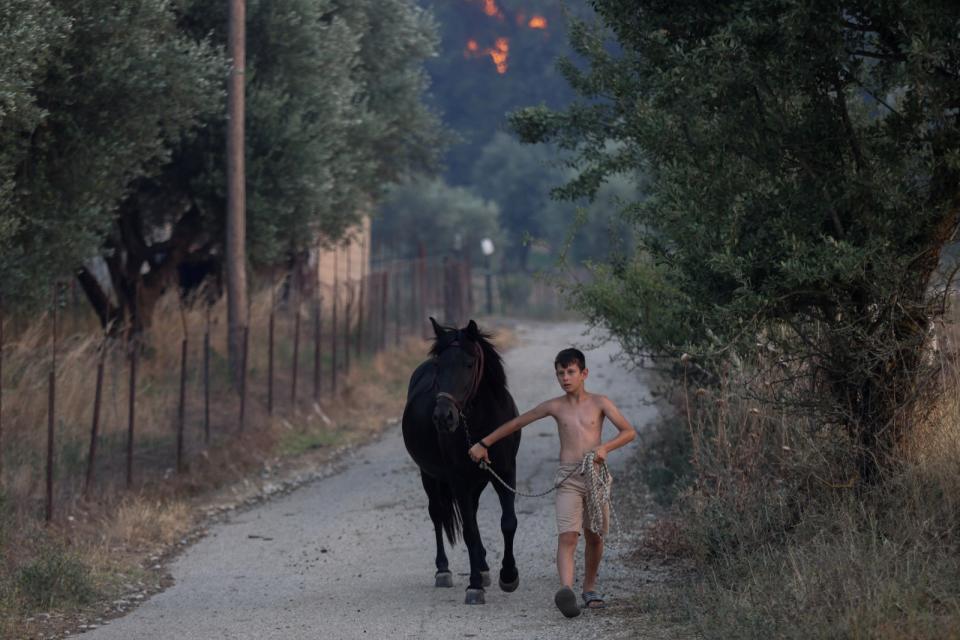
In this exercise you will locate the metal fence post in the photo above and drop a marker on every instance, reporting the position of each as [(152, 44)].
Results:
[(131, 408), (97, 399), (182, 404)]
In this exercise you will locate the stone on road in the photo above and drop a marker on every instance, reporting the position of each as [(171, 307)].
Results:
[(351, 556)]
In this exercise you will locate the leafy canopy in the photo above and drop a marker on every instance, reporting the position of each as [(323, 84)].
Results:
[(803, 165)]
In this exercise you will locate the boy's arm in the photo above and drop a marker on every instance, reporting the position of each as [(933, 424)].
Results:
[(479, 451), (627, 432)]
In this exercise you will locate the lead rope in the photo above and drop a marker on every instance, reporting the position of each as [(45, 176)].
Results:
[(599, 484)]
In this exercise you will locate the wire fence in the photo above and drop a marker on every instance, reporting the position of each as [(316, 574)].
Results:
[(82, 413)]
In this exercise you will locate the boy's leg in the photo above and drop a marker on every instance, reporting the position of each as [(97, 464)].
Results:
[(592, 553), (566, 548)]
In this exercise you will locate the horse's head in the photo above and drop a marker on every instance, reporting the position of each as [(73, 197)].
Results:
[(459, 358)]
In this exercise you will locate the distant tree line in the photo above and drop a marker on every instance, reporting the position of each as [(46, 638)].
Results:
[(112, 129)]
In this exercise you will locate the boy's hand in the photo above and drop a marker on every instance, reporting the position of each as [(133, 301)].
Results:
[(599, 455), (478, 452)]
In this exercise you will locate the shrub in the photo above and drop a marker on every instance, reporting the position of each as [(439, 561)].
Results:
[(55, 578)]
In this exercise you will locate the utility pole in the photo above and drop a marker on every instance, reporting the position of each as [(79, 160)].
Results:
[(236, 190)]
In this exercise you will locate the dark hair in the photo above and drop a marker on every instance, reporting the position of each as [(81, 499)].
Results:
[(570, 356)]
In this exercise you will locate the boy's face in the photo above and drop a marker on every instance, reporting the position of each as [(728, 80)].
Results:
[(571, 377)]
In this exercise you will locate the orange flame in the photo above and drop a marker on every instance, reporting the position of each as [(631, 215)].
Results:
[(500, 53), (537, 22), (491, 9)]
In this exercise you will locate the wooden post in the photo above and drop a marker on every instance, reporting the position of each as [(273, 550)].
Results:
[(245, 346), (296, 344), (95, 427), (333, 327), (51, 399), (51, 407), (413, 320), (236, 263), (347, 309), (362, 303), (270, 335), (182, 405), (131, 408), (317, 353), (384, 296), (1, 395), (206, 380), (424, 294), (397, 314)]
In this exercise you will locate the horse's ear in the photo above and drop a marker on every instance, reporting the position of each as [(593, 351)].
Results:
[(473, 330), (437, 329)]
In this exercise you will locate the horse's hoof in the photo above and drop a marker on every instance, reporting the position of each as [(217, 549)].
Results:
[(475, 596), (486, 578), (509, 579), (443, 579)]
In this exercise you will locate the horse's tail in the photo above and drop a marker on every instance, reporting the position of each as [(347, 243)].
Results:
[(450, 517)]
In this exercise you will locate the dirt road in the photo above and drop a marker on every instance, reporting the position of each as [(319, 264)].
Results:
[(351, 556)]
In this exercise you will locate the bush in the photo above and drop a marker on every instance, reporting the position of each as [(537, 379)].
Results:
[(791, 543), (55, 578)]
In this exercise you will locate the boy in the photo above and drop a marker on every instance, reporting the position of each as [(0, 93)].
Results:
[(579, 417)]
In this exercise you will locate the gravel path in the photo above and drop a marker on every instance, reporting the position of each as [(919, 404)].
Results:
[(351, 556)]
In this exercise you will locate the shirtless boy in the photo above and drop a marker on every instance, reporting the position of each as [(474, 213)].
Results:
[(579, 417)]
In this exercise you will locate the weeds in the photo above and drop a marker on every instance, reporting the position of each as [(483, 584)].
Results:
[(790, 542), (55, 578)]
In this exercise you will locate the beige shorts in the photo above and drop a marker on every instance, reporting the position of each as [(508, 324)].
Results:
[(572, 501)]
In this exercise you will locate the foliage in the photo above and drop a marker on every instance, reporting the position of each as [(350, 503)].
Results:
[(803, 165), (434, 213), (94, 95), (55, 578), (334, 111)]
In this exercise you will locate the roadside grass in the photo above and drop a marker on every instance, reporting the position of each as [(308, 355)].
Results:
[(788, 543)]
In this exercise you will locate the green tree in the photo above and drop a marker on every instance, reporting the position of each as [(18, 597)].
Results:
[(520, 178), (432, 213), (803, 165), (334, 112), (94, 94)]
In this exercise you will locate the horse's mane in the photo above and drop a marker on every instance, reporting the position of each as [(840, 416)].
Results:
[(494, 375)]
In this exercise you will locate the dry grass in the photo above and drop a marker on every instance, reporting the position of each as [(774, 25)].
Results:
[(792, 545)]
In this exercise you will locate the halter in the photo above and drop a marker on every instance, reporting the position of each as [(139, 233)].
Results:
[(477, 376)]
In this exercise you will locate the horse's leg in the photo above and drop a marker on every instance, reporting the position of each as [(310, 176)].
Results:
[(509, 575), (484, 567), (437, 509), (471, 536)]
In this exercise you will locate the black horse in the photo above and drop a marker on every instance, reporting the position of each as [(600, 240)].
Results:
[(455, 398)]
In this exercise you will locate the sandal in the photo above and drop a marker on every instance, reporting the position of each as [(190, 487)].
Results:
[(593, 600), (566, 601)]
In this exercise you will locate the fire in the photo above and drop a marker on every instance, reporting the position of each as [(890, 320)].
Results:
[(499, 53), (491, 9), (537, 22)]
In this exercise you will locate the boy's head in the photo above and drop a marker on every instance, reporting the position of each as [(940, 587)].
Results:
[(571, 367)]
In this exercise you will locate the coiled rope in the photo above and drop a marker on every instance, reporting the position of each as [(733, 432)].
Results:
[(599, 484)]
